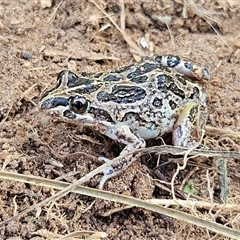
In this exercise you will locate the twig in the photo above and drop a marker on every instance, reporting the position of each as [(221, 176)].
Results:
[(54, 12), (215, 227), (129, 41)]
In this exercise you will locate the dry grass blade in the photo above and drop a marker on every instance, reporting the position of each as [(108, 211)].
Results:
[(203, 13), (215, 227), (122, 16), (222, 132), (129, 41), (193, 203), (185, 159), (93, 236), (54, 12), (223, 179)]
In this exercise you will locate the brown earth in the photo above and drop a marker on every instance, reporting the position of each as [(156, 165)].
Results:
[(38, 42)]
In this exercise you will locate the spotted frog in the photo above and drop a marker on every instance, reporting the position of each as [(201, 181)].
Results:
[(141, 101)]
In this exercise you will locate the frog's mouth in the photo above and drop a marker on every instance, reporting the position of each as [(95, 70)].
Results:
[(62, 107)]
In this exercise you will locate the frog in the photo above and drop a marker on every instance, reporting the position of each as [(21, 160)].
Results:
[(134, 103)]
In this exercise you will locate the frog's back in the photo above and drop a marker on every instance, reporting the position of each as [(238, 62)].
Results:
[(146, 96)]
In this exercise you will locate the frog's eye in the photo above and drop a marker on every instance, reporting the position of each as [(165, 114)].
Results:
[(79, 104)]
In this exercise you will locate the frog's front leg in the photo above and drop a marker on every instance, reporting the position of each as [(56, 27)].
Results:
[(188, 126), (122, 133)]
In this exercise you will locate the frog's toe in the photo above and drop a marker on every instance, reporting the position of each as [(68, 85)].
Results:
[(108, 172)]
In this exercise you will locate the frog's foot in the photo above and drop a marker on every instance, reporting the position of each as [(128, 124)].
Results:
[(108, 172), (123, 134), (116, 168), (188, 126)]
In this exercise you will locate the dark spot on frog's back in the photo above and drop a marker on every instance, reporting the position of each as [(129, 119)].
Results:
[(176, 91), (172, 104), (166, 83), (157, 102), (122, 94), (144, 68), (134, 74), (141, 79), (163, 82), (86, 89), (164, 79), (148, 67), (103, 96), (111, 78), (182, 79), (158, 59), (196, 90), (132, 117), (74, 80)]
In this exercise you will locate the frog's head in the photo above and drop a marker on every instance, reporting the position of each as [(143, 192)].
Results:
[(71, 99)]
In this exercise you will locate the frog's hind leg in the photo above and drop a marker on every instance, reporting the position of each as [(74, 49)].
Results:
[(185, 67), (188, 126), (123, 134)]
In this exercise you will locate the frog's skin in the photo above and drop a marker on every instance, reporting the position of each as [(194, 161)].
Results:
[(142, 101)]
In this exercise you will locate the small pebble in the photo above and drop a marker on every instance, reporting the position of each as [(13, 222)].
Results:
[(26, 55)]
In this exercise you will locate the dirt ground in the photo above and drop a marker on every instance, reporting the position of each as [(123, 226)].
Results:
[(38, 41)]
